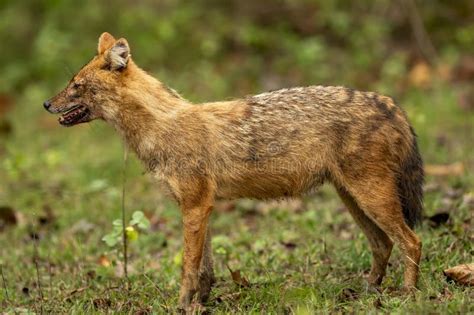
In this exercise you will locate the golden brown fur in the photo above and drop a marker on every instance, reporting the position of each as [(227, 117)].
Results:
[(277, 144)]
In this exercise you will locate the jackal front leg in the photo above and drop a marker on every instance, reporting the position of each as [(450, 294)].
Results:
[(206, 270), (195, 224)]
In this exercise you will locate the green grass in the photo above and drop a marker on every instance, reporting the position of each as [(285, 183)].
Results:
[(305, 261)]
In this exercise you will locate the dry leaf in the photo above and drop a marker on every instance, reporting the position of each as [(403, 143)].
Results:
[(104, 261), (420, 75), (238, 278), (462, 274), (438, 219), (8, 216), (455, 169)]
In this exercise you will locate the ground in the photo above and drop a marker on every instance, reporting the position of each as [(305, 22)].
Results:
[(296, 257)]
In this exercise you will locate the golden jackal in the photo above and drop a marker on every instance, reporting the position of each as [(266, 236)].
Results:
[(277, 144)]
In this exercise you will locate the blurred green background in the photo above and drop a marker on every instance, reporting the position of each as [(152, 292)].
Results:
[(215, 49), (421, 52)]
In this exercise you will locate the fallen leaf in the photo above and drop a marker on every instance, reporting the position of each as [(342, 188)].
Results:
[(420, 75), (8, 216), (104, 261), (438, 219), (238, 278), (461, 274), (454, 169)]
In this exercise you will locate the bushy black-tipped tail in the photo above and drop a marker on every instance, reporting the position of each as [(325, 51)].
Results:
[(410, 185)]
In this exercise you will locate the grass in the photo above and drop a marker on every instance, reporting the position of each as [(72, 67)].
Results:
[(66, 184)]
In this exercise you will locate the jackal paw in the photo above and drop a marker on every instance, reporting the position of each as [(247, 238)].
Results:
[(192, 309), (408, 290)]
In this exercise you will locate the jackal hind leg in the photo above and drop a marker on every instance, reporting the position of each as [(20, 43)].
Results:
[(379, 242), (378, 198)]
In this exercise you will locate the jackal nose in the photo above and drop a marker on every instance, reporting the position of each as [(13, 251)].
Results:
[(47, 105)]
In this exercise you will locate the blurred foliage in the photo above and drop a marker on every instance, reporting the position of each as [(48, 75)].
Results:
[(210, 49)]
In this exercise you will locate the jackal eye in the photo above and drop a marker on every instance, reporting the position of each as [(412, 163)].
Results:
[(76, 85)]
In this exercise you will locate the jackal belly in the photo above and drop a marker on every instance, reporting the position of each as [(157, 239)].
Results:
[(270, 180)]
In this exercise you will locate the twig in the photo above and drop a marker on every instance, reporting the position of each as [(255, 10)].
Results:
[(124, 233), (50, 274), (38, 279), (78, 290), (421, 35), (4, 283)]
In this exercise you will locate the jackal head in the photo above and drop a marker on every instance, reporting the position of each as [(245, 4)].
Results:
[(94, 90)]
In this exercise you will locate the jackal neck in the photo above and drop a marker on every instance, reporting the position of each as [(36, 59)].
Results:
[(147, 114)]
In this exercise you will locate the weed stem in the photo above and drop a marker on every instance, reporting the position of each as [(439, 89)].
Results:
[(124, 233)]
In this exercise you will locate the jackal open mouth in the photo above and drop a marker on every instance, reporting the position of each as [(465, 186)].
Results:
[(75, 115)]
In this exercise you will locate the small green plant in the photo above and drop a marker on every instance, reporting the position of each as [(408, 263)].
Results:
[(138, 222)]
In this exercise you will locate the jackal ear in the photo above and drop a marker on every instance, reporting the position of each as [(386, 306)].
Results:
[(105, 42), (118, 55)]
